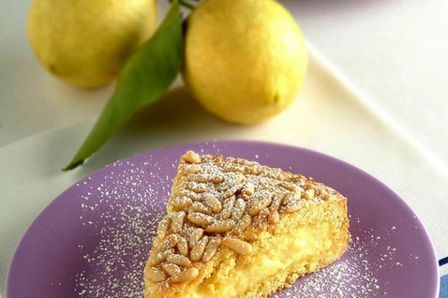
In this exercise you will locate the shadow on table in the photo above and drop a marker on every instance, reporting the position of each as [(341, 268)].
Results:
[(175, 118), (176, 110)]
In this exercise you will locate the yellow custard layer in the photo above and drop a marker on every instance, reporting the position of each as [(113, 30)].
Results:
[(299, 246)]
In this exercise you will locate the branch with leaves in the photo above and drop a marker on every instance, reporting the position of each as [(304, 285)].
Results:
[(144, 78)]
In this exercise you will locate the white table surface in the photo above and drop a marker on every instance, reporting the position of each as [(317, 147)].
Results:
[(375, 96), (396, 51)]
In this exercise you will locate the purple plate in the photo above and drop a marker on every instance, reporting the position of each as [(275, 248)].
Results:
[(93, 240)]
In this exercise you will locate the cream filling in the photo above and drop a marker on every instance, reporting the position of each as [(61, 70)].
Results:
[(283, 250)]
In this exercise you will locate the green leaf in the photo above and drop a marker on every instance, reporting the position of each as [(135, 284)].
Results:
[(144, 78)]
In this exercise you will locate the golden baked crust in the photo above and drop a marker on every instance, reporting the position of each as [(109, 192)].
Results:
[(229, 220)]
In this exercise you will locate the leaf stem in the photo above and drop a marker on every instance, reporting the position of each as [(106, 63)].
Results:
[(186, 4), (142, 80)]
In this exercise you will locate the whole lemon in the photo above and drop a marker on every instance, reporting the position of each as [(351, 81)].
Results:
[(245, 60), (85, 42)]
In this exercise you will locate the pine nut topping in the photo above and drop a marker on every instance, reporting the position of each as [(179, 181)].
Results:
[(169, 241), (291, 198), (181, 202), (194, 235), (157, 258), (199, 178), (177, 221), (170, 268), (191, 169), (200, 219), (199, 207), (274, 217), (197, 187), (189, 194), (213, 203), (217, 179), (155, 275), (211, 249), (184, 276), (238, 209), (162, 229), (237, 245), (227, 207), (276, 201), (249, 189), (258, 203), (309, 194), (178, 260), (198, 249), (221, 226), (191, 157), (243, 224), (292, 207), (288, 186), (182, 246)]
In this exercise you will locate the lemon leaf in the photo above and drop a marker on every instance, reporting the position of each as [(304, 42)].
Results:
[(144, 78)]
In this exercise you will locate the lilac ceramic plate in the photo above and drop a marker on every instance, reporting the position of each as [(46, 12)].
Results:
[(93, 240)]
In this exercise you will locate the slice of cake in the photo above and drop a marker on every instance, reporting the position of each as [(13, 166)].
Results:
[(234, 228)]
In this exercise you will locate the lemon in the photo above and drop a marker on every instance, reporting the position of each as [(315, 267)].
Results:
[(85, 42), (245, 60)]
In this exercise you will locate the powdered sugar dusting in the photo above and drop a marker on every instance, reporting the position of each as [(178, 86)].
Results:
[(354, 275), (121, 214)]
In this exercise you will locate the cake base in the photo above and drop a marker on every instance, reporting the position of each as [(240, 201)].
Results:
[(235, 228), (302, 243)]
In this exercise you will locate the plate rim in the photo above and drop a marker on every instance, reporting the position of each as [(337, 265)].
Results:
[(338, 161)]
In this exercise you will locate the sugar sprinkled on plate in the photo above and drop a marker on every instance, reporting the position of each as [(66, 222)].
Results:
[(127, 202), (353, 275), (124, 208)]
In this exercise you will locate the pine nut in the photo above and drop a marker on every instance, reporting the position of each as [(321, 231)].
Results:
[(237, 245), (155, 275), (184, 276), (211, 249), (200, 219), (171, 268), (198, 249), (182, 246), (191, 157), (221, 226), (213, 203), (178, 260)]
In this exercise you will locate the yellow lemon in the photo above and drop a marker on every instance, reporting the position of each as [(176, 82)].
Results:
[(245, 60), (85, 42)]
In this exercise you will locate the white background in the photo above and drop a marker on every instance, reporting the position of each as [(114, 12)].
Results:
[(396, 51)]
